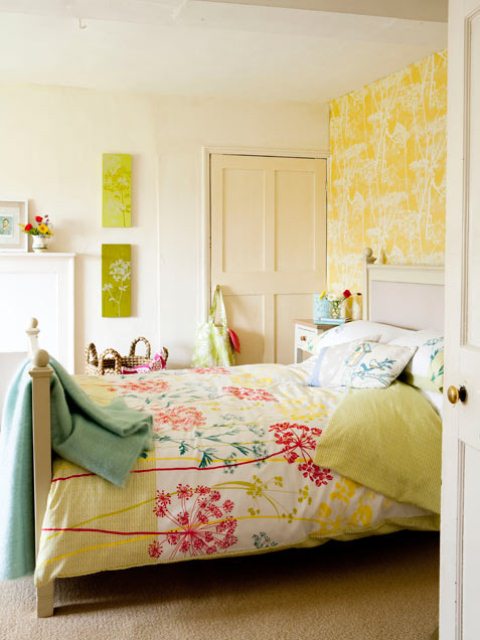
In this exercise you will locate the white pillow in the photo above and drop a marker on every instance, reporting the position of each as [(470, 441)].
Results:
[(361, 364), (425, 370), (359, 329)]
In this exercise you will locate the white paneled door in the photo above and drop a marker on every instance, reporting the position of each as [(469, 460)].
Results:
[(460, 535), (268, 247)]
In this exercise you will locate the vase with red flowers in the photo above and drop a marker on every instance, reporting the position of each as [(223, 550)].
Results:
[(336, 302), (40, 231)]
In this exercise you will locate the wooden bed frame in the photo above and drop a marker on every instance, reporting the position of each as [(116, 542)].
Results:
[(409, 296), (386, 300), (41, 375)]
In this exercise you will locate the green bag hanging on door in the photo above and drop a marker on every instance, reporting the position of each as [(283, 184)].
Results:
[(213, 346)]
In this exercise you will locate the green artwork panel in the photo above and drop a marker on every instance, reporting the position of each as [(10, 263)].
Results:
[(116, 280), (117, 190)]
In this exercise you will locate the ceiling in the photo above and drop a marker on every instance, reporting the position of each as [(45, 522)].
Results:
[(436, 10), (211, 48)]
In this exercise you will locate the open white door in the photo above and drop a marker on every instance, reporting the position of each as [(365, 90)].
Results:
[(460, 536)]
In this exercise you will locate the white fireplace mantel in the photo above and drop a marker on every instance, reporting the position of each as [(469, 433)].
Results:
[(39, 285)]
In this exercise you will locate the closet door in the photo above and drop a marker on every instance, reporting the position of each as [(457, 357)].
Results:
[(268, 247)]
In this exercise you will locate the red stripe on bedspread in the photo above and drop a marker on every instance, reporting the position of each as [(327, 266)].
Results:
[(211, 467)]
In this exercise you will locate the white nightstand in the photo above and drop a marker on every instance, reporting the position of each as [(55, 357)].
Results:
[(306, 336)]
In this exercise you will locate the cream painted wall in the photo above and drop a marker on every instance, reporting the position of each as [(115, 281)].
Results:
[(50, 152)]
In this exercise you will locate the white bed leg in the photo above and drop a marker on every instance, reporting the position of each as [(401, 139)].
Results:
[(45, 600)]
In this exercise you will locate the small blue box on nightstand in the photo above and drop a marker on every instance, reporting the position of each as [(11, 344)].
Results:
[(321, 308)]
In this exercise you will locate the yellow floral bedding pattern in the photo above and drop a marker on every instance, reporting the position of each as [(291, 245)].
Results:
[(231, 472)]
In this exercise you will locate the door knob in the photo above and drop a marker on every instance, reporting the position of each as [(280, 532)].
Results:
[(455, 394)]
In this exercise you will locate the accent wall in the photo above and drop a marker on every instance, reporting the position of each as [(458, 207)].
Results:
[(387, 177)]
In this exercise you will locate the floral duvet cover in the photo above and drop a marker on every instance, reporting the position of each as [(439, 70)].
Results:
[(231, 472)]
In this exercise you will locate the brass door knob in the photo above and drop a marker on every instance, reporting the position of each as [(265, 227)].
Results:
[(454, 394)]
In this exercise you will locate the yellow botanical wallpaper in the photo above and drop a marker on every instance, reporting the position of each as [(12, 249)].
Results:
[(387, 178)]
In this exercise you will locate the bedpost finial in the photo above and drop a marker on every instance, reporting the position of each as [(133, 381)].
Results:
[(368, 255), (41, 358), (33, 324)]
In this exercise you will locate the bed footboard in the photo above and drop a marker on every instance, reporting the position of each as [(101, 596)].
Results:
[(41, 375)]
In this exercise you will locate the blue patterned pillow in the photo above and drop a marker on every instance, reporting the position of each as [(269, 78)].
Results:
[(361, 364), (426, 368)]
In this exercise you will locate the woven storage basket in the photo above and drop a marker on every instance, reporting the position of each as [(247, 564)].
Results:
[(110, 361)]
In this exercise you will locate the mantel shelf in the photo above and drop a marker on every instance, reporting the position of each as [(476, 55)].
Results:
[(31, 254)]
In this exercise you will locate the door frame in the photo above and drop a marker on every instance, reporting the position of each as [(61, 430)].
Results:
[(204, 260)]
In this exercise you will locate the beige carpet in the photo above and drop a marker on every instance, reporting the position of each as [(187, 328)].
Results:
[(378, 588)]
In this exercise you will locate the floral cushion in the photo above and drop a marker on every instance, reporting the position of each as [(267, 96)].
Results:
[(426, 368), (326, 363), (361, 364)]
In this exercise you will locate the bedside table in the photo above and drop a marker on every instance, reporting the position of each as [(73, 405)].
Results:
[(306, 336)]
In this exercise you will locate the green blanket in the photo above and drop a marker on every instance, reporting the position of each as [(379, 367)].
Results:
[(105, 440), (388, 440)]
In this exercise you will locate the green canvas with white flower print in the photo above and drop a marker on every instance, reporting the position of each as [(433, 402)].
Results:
[(117, 190), (116, 280)]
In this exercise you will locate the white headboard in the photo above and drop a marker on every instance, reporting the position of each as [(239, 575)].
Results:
[(410, 296)]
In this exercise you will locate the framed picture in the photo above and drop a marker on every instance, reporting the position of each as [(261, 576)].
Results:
[(116, 280), (13, 213), (117, 190)]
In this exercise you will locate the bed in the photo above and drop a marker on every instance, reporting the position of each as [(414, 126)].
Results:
[(234, 469)]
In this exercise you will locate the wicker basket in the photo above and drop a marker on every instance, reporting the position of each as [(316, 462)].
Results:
[(110, 361)]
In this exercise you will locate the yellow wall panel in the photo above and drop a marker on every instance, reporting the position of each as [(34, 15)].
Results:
[(387, 178)]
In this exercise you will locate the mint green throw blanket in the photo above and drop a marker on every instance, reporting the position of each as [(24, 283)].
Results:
[(104, 440)]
